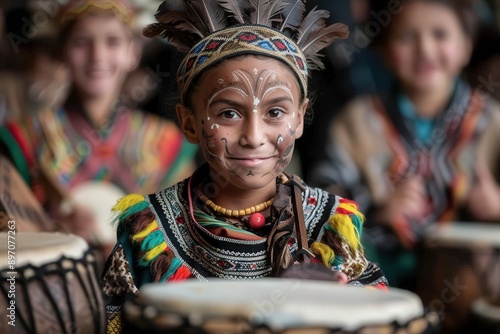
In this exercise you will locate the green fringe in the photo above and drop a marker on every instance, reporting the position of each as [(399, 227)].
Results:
[(174, 265), (153, 239)]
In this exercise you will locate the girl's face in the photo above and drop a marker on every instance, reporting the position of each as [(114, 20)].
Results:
[(427, 47), (99, 54), (246, 115)]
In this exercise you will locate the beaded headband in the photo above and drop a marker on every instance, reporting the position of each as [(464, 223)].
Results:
[(210, 31), (241, 40), (77, 8)]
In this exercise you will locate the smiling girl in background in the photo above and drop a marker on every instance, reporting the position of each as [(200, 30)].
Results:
[(424, 153)]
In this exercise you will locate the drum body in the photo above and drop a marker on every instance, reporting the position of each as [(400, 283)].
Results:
[(273, 305), (53, 285), (459, 263)]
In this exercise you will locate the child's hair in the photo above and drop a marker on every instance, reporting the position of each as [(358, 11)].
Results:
[(462, 8)]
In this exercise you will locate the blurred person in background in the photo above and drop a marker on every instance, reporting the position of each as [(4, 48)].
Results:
[(426, 151), (95, 136)]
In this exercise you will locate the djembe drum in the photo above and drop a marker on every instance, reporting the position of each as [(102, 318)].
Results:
[(459, 265), (272, 305), (52, 284)]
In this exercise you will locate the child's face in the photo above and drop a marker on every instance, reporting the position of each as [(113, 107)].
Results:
[(99, 55), (247, 115), (427, 47)]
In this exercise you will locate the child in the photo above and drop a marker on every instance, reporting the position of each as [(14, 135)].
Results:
[(424, 153), (243, 91), (95, 137)]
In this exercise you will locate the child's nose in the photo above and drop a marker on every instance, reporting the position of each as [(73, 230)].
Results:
[(252, 133), (425, 45), (96, 52)]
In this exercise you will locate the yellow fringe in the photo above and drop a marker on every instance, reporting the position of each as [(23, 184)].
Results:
[(128, 201), (352, 208), (345, 228), (327, 254), (145, 232), (154, 252)]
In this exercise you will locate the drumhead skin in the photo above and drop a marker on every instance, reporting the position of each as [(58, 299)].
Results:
[(284, 303), (38, 248), (465, 233)]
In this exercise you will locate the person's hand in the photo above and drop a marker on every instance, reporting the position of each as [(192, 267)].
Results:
[(407, 201), (483, 201), (314, 270)]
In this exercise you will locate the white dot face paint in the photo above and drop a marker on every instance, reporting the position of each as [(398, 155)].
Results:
[(251, 112)]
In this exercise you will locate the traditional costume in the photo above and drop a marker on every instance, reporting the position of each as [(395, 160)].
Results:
[(135, 151), (177, 233), (380, 140)]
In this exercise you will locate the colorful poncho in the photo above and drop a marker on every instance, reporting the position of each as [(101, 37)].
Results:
[(137, 152), (160, 240)]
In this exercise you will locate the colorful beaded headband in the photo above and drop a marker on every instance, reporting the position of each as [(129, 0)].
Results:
[(76, 8), (241, 40), (211, 31)]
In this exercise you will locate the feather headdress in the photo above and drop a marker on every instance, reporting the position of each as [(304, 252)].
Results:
[(212, 30)]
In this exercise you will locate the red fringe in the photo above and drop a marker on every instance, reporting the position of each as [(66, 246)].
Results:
[(180, 274)]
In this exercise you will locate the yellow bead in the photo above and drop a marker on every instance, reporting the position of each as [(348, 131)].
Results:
[(248, 211)]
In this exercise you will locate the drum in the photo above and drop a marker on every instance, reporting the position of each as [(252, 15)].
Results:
[(49, 284), (459, 263), (272, 305)]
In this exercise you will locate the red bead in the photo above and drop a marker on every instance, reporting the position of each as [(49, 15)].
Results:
[(256, 221)]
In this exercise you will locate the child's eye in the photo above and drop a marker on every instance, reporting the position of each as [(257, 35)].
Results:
[(229, 114), (275, 113), (114, 41), (440, 34)]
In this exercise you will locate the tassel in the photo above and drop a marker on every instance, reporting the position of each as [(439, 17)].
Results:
[(343, 225), (153, 239), (161, 265), (152, 254), (327, 254), (174, 265), (180, 274), (143, 233), (128, 201)]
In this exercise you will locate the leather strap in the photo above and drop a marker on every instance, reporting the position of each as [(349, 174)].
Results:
[(295, 184)]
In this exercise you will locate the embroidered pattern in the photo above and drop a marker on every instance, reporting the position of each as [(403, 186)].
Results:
[(231, 42)]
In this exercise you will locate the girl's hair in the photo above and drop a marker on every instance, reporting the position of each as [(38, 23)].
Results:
[(463, 9)]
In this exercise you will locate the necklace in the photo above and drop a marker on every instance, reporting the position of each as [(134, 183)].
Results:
[(234, 213)]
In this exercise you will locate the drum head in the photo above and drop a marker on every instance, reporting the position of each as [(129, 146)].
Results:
[(38, 248), (284, 303), (465, 233)]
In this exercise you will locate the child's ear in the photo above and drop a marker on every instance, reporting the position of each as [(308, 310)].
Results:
[(299, 130), (187, 123)]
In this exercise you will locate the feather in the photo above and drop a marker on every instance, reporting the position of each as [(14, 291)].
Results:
[(324, 37), (181, 20), (319, 39), (264, 10), (236, 9), (210, 12), (170, 6), (314, 21), (293, 13), (177, 38)]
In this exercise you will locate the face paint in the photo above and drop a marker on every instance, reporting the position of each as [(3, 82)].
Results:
[(250, 116)]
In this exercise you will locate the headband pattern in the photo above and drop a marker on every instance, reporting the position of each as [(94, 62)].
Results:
[(240, 40), (210, 31)]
